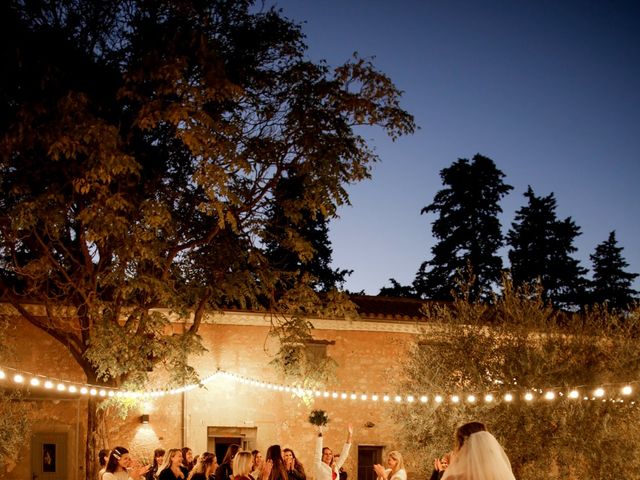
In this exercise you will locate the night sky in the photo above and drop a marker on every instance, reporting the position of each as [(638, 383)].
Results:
[(550, 90)]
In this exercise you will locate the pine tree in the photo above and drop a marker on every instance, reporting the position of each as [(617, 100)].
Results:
[(611, 284), (467, 229), (297, 240), (541, 248)]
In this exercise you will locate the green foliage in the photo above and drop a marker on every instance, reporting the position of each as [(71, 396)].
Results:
[(611, 284), (297, 240), (319, 418), (519, 344), (141, 151), (467, 230), (541, 248), (15, 426)]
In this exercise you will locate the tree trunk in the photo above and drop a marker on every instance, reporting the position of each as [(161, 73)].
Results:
[(91, 450)]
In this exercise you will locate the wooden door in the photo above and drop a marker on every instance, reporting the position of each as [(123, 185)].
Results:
[(367, 457)]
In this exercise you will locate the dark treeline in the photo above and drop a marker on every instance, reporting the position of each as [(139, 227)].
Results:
[(541, 246)]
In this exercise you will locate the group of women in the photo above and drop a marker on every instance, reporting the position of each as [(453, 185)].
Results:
[(477, 455), (179, 464)]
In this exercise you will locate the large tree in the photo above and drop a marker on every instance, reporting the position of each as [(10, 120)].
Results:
[(141, 143), (467, 230), (520, 345), (541, 249), (611, 283)]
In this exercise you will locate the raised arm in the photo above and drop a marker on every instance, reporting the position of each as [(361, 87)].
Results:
[(345, 448)]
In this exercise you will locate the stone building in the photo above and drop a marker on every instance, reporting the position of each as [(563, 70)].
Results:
[(230, 409)]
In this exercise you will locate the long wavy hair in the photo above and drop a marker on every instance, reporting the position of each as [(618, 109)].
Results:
[(279, 470)]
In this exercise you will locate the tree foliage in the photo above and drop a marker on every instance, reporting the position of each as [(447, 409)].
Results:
[(541, 249), (521, 344), (141, 146), (15, 426), (297, 240), (611, 284), (467, 229)]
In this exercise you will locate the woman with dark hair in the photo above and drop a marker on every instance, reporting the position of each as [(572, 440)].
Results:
[(187, 458), (121, 466), (103, 455), (204, 467), (171, 468), (274, 465), (158, 458), (295, 469), (477, 456), (224, 470), (257, 465)]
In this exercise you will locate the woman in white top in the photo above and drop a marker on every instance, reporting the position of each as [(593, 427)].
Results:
[(120, 466), (396, 469)]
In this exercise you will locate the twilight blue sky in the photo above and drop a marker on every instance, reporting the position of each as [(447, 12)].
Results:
[(550, 90)]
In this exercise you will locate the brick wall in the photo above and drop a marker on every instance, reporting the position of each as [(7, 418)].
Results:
[(369, 355)]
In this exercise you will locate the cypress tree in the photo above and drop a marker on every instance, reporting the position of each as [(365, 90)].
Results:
[(467, 229), (541, 248), (611, 284)]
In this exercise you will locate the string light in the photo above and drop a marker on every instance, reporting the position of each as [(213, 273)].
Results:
[(549, 394)]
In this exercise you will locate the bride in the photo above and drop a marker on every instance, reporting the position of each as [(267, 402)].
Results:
[(477, 456)]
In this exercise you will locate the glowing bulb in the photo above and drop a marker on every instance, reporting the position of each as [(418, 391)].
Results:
[(508, 397), (374, 397), (93, 391), (61, 387), (488, 398), (83, 390), (599, 392), (353, 396), (410, 399), (574, 394), (471, 398), (398, 398), (549, 395), (343, 396), (2, 375), (325, 394), (35, 382), (438, 399), (73, 389), (528, 396), (455, 399), (18, 378), (385, 398), (627, 390), (334, 395), (423, 399)]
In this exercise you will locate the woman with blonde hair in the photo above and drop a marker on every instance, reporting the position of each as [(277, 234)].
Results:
[(204, 468), (171, 468), (477, 456), (242, 463), (396, 469)]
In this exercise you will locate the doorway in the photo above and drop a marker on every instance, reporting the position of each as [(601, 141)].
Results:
[(49, 456), (219, 439), (368, 456)]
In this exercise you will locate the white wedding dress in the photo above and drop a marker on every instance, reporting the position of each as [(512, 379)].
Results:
[(480, 458)]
